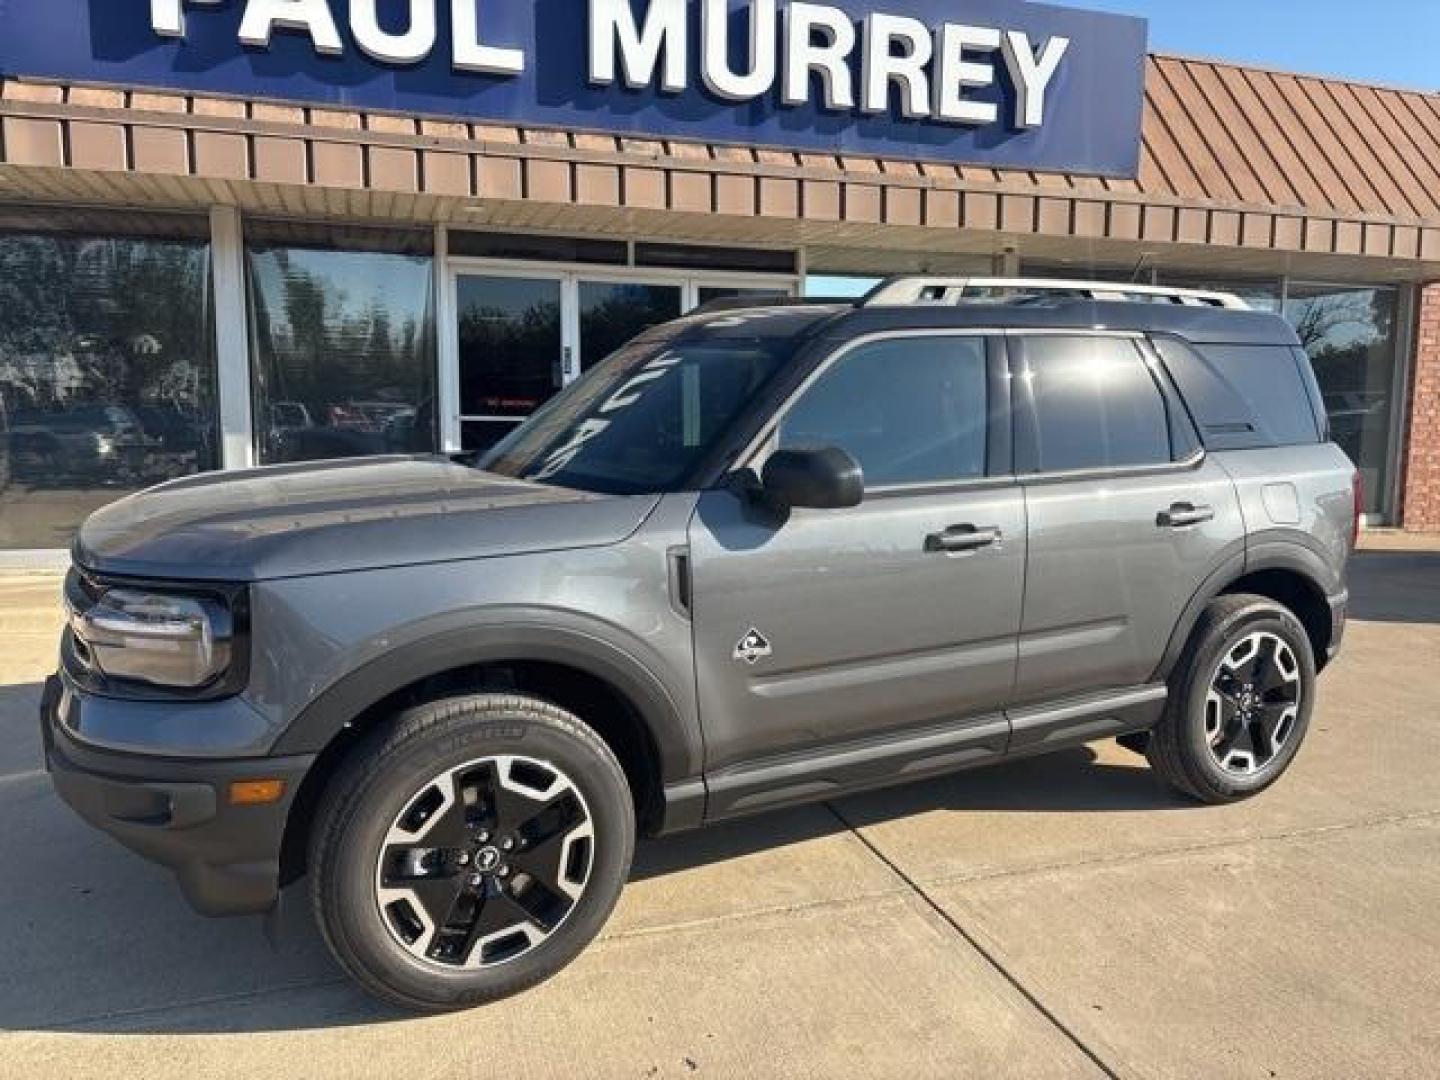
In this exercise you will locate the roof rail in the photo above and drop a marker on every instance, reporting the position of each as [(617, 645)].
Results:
[(995, 290)]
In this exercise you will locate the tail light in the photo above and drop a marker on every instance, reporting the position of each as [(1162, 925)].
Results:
[(1357, 490)]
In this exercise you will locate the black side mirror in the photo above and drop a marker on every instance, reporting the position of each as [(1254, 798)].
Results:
[(818, 478)]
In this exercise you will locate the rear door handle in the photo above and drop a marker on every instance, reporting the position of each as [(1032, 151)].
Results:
[(960, 538), (1182, 514)]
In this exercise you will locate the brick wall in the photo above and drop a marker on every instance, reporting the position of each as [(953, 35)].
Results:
[(1421, 510)]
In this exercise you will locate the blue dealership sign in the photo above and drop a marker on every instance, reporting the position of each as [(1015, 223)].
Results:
[(1003, 83)]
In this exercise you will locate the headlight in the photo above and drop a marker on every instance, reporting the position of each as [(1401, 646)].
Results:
[(173, 641)]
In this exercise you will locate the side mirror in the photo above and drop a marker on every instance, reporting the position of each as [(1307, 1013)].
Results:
[(820, 478)]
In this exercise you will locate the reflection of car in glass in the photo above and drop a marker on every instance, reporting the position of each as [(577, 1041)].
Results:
[(290, 414), (755, 558), (88, 443)]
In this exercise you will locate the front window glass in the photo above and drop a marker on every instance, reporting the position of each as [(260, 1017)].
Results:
[(910, 410), (1350, 336), (107, 375), (644, 419), (344, 352), (1097, 406)]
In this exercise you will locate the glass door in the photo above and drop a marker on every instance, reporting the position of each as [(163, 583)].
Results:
[(523, 331), (511, 352), (613, 312)]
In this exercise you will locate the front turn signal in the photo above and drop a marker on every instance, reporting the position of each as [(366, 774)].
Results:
[(256, 792)]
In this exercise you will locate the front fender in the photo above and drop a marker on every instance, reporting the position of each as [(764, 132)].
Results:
[(462, 639)]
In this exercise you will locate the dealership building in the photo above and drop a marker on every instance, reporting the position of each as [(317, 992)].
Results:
[(248, 233)]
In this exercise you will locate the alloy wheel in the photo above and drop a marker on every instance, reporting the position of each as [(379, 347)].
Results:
[(1253, 704), (484, 862)]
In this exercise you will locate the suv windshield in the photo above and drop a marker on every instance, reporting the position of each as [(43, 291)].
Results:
[(644, 419)]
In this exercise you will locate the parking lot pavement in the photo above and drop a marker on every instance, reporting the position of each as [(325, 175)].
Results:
[(1056, 917)]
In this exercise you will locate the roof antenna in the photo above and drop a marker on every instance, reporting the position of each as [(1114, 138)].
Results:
[(1145, 257)]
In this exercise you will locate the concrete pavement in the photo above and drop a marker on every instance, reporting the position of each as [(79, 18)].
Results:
[(1058, 917)]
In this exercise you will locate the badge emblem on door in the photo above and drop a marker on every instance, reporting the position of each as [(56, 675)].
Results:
[(752, 648)]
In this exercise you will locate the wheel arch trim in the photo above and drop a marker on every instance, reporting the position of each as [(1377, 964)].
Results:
[(1299, 559), (509, 636)]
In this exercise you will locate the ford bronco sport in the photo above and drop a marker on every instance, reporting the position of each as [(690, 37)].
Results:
[(759, 556)]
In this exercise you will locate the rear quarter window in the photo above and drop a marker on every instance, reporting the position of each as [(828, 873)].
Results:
[(1244, 396)]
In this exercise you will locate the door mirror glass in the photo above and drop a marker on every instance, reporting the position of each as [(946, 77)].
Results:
[(814, 478)]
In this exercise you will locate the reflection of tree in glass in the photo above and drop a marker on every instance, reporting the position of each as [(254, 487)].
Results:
[(105, 320), (508, 357), (1340, 330), (343, 341), (624, 312)]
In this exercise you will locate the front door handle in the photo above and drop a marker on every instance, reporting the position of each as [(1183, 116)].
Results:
[(961, 538), (1182, 514)]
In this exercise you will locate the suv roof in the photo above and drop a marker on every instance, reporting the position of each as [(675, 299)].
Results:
[(1199, 325)]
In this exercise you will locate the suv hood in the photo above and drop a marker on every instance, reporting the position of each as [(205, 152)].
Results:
[(332, 517)]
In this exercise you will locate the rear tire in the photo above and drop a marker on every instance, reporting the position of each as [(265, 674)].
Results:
[(470, 850), (1240, 702)]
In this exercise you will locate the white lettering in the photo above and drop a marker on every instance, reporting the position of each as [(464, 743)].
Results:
[(311, 16), (562, 457), (167, 17), (471, 54), (1032, 74), (715, 67), (955, 74), (612, 22), (408, 48), (830, 60), (883, 65)]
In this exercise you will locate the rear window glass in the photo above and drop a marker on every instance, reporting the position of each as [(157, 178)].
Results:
[(1096, 404), (1243, 395)]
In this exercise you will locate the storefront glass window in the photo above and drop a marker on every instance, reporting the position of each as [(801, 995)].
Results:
[(107, 375), (1350, 336), (1262, 294), (344, 352)]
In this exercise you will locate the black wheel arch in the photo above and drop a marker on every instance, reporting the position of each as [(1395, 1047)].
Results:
[(656, 737), (1295, 573)]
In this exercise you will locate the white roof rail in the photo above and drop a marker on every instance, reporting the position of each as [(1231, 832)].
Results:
[(959, 290)]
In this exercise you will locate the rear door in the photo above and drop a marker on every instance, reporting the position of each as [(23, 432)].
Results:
[(1126, 514), (832, 626)]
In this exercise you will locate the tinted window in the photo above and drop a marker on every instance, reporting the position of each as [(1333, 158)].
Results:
[(1351, 337), (911, 410), (344, 352), (107, 375), (642, 420), (1096, 405), (1243, 395)]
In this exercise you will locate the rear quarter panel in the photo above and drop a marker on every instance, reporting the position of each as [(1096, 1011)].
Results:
[(1300, 497)]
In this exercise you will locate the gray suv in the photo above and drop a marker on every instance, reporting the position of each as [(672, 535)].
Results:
[(758, 557)]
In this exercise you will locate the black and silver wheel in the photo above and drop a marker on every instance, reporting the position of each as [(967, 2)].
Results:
[(1253, 703), (1240, 701), (472, 853)]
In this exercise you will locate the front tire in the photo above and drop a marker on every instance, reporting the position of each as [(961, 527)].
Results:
[(470, 851), (1240, 702)]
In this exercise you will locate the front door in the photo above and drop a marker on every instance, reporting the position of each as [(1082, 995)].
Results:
[(845, 626)]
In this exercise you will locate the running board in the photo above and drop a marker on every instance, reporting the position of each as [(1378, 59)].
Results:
[(831, 771)]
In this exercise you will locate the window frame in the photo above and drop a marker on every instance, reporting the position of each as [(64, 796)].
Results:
[(1187, 451), (999, 455)]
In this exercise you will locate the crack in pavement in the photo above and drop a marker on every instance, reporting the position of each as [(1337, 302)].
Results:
[(984, 953), (908, 885)]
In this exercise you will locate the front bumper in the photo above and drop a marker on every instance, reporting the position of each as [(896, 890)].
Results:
[(177, 812)]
